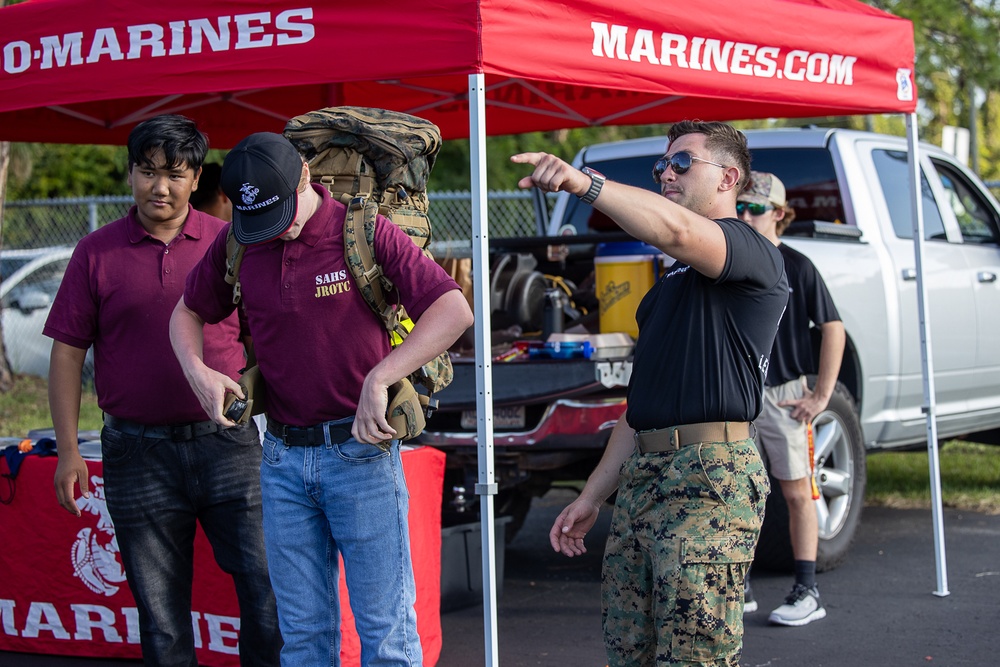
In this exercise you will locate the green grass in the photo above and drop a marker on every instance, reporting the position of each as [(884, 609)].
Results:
[(970, 473), (26, 407), (970, 477)]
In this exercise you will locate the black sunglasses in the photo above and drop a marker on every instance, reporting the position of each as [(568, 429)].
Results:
[(755, 209), (680, 162)]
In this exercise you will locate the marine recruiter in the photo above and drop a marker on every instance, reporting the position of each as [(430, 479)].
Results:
[(691, 485)]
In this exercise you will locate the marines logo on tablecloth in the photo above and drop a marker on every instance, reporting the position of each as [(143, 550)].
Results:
[(95, 552)]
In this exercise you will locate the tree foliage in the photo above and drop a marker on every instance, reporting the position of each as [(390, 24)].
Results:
[(452, 171), (957, 55), (954, 38), (956, 60), (46, 171), (69, 170)]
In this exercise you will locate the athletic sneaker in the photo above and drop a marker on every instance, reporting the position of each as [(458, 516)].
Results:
[(802, 606), (749, 604)]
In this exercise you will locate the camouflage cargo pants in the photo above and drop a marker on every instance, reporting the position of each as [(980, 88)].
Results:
[(682, 538)]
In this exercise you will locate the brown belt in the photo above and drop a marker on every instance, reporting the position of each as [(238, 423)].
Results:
[(675, 437)]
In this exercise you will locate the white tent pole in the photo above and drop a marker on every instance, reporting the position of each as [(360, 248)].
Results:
[(913, 162), (487, 487)]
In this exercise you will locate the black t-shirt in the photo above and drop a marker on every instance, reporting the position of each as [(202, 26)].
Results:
[(808, 301), (703, 346)]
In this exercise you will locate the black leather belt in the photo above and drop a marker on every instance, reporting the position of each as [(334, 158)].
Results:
[(309, 436), (174, 432)]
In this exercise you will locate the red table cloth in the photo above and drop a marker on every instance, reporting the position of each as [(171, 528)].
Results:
[(63, 590)]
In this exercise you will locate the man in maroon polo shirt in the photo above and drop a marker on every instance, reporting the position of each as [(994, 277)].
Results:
[(166, 464), (328, 489)]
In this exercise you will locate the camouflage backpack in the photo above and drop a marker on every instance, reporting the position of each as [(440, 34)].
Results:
[(377, 163)]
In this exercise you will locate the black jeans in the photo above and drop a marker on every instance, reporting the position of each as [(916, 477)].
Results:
[(156, 492)]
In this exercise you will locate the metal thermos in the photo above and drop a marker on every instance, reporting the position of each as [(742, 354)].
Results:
[(552, 312)]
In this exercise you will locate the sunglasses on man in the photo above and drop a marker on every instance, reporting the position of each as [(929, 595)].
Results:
[(680, 162), (755, 209)]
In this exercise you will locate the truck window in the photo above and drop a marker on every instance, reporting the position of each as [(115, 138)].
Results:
[(895, 181), (637, 171), (976, 219), (810, 181), (808, 175)]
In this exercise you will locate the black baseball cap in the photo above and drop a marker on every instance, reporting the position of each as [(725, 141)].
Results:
[(260, 176)]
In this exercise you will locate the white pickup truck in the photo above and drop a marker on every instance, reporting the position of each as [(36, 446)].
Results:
[(853, 219)]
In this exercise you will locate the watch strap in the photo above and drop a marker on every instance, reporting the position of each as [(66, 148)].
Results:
[(596, 183)]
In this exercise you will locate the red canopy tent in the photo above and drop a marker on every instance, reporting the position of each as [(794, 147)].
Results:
[(84, 72)]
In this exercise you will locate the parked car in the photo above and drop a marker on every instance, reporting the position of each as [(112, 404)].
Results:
[(29, 280)]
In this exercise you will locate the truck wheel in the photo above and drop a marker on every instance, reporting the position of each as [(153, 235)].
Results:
[(841, 476)]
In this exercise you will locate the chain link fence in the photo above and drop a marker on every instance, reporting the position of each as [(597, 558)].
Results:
[(38, 236), (42, 223)]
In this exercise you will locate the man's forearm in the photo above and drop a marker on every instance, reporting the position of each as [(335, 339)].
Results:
[(435, 331), (65, 380), (656, 219), (674, 229), (187, 338), (604, 480), (831, 354)]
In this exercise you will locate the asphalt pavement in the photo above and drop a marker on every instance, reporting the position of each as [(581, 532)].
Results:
[(881, 605)]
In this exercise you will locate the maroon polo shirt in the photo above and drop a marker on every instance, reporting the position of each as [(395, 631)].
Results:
[(119, 290), (314, 336)]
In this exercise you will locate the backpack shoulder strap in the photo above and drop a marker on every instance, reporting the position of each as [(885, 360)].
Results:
[(359, 250), (234, 259)]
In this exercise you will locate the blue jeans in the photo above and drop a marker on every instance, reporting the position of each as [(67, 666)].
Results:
[(322, 502), (156, 491)]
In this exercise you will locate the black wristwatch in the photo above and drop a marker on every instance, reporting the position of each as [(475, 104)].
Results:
[(596, 183)]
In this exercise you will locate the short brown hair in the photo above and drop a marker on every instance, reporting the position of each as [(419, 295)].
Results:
[(782, 225), (727, 144)]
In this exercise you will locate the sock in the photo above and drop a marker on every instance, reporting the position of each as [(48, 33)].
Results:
[(805, 573)]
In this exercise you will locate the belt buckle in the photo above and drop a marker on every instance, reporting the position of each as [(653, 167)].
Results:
[(278, 429), (182, 433)]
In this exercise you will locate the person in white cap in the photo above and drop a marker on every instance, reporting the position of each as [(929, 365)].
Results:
[(329, 489), (789, 405)]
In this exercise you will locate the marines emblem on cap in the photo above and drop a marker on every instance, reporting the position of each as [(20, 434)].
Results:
[(261, 177), (249, 193)]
